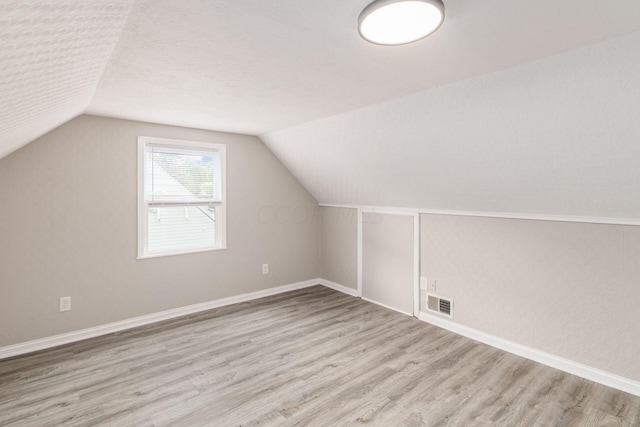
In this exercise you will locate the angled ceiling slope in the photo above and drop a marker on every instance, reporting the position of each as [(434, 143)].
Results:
[(52, 54), (254, 66), (558, 136), (552, 136)]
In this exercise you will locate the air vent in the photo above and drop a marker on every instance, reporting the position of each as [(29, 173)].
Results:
[(445, 307), (440, 305)]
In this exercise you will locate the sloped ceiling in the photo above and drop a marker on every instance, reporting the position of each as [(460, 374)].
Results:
[(296, 72), (558, 136), (52, 54)]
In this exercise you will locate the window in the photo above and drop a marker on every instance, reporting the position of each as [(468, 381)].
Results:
[(181, 197)]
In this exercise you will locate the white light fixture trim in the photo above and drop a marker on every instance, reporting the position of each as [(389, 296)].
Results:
[(394, 22)]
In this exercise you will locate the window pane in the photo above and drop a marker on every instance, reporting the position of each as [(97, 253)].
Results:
[(176, 229), (180, 176)]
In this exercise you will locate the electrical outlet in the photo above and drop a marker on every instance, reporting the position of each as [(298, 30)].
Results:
[(65, 303), (432, 285), (265, 268), (424, 283)]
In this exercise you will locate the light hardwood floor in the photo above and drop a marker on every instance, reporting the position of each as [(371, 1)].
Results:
[(311, 357)]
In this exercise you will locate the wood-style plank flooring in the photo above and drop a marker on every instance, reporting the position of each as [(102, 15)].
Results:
[(313, 357)]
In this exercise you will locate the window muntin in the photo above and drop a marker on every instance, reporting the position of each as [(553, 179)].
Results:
[(181, 197)]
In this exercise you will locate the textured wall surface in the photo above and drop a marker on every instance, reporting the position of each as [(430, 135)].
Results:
[(68, 227), (339, 245), (387, 260), (556, 136), (52, 54), (568, 289)]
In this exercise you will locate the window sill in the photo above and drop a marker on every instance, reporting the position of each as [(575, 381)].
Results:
[(193, 251)]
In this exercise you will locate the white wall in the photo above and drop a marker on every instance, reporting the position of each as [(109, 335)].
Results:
[(68, 228), (565, 289), (569, 289)]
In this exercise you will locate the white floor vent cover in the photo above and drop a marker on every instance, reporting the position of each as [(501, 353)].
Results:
[(440, 305)]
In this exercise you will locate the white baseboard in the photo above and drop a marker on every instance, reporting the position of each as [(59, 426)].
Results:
[(56, 340), (566, 365), (584, 371), (387, 306), (338, 287), (354, 293)]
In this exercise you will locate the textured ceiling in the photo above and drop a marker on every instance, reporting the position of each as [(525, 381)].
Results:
[(557, 136), (253, 66), (52, 54), (479, 116)]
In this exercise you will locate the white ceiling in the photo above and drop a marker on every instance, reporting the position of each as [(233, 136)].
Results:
[(52, 55), (254, 66), (558, 136), (263, 66)]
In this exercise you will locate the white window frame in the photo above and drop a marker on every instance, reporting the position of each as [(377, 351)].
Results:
[(221, 207)]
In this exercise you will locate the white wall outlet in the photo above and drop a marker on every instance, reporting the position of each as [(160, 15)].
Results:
[(65, 303), (424, 283), (432, 285), (265, 268)]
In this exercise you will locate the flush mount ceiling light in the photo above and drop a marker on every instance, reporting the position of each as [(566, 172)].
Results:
[(394, 22)]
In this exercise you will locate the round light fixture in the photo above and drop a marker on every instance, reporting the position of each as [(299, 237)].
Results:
[(394, 22)]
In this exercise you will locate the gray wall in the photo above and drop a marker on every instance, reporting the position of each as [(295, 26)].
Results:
[(387, 260), (68, 227), (569, 289), (339, 245)]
